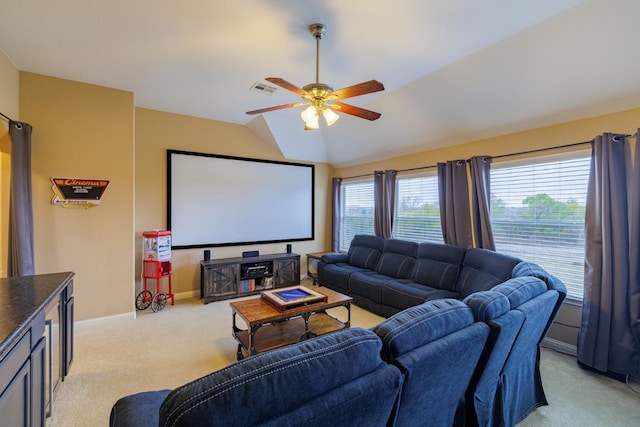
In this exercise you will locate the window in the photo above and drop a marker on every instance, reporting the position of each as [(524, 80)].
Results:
[(537, 214), (356, 211), (417, 211)]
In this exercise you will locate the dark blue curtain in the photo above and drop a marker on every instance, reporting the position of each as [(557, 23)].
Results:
[(21, 260), (606, 341), (481, 201), (453, 193)]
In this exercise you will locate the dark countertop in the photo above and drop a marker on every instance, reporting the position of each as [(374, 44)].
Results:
[(21, 299)]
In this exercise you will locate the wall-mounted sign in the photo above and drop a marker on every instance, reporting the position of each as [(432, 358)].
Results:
[(78, 193)]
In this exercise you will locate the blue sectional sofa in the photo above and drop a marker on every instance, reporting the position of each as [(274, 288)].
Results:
[(518, 301), (460, 347), (413, 369)]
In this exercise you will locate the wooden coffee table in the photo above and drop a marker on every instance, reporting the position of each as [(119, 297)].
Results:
[(269, 328)]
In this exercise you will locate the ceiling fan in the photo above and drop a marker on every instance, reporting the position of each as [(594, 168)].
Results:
[(321, 98)]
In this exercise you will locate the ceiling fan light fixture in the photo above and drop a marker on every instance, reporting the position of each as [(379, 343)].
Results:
[(310, 117), (330, 116)]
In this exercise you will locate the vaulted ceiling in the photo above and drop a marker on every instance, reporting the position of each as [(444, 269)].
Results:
[(453, 70)]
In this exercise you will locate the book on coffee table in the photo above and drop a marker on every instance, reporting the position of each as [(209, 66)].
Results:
[(294, 296)]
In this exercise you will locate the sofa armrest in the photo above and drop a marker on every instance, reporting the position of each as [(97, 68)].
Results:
[(335, 258), (531, 269)]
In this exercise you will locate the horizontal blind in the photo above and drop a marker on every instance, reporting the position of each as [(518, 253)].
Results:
[(356, 211), (417, 210), (537, 214)]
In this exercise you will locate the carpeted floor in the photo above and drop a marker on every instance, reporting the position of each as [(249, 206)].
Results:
[(119, 356)]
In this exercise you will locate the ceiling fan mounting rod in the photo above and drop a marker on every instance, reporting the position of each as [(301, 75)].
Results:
[(317, 30)]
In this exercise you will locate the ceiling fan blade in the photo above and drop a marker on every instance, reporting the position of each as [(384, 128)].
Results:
[(289, 86), (277, 107), (356, 90), (355, 111)]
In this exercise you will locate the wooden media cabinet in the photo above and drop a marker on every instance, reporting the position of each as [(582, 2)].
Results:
[(236, 277)]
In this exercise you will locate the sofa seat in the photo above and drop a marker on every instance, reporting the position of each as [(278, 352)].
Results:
[(399, 295)]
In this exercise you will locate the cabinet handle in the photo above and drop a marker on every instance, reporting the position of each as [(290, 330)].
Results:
[(49, 324)]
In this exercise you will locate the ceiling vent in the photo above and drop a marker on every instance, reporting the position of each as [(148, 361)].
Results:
[(263, 88)]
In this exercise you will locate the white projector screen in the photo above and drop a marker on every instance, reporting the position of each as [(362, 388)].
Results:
[(215, 200)]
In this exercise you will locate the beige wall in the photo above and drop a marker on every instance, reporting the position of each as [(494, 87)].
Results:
[(87, 131), (158, 131), (9, 106), (83, 131), (551, 136)]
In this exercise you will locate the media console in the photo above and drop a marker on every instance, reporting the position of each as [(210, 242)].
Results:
[(236, 277)]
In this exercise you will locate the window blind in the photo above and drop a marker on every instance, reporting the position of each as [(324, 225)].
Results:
[(537, 214), (356, 211), (417, 210)]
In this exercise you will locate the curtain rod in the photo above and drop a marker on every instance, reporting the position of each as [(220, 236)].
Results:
[(7, 117), (575, 144)]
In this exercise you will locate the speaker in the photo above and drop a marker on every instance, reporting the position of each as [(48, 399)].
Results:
[(288, 248), (207, 255)]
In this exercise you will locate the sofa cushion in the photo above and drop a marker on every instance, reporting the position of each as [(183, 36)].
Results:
[(283, 380), (437, 265), (336, 276), (421, 324), (402, 294), (482, 269), (397, 258), (369, 284), (521, 289), (365, 251)]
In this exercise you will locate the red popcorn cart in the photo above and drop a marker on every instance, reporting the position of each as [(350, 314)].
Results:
[(156, 265)]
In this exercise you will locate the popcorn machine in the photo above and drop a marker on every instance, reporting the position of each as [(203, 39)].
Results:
[(156, 265)]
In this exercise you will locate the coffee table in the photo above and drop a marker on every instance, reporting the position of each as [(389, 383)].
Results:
[(268, 328)]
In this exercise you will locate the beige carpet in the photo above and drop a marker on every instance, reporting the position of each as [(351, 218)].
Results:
[(119, 356)]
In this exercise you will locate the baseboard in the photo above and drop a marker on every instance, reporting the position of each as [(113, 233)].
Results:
[(560, 346), (187, 295), (79, 324)]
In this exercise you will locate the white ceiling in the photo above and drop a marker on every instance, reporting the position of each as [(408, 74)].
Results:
[(454, 70)]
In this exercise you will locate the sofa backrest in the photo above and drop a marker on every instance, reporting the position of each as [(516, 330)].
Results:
[(437, 265), (482, 269), (436, 345), (337, 378), (397, 258), (365, 250)]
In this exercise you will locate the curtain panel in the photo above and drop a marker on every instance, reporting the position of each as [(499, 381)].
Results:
[(336, 192), (481, 201), (453, 192), (378, 203), (21, 260), (606, 341), (389, 205)]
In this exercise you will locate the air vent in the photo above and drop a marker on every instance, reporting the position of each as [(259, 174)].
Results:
[(263, 88)]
